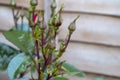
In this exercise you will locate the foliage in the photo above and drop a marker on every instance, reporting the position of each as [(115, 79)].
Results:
[(6, 54), (21, 39), (15, 64), (72, 70)]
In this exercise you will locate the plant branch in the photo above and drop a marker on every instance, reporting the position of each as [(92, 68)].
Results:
[(38, 57)]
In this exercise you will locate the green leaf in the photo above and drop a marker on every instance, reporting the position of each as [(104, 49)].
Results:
[(71, 70), (15, 64), (60, 78), (6, 54), (21, 39), (99, 79)]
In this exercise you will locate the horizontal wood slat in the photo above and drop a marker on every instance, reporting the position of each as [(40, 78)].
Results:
[(6, 18), (93, 28), (110, 7), (92, 58), (24, 3), (90, 76)]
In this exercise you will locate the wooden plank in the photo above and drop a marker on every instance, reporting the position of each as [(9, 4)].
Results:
[(6, 18), (110, 7), (91, 76), (24, 3), (93, 28), (92, 58), (47, 10)]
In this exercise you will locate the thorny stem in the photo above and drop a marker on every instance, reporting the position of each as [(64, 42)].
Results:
[(38, 57), (47, 61), (48, 77), (43, 42), (68, 40), (66, 44), (48, 32), (36, 45)]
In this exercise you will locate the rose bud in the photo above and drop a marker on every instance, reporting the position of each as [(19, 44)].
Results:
[(33, 2), (53, 45), (53, 5), (13, 3), (58, 20), (72, 26)]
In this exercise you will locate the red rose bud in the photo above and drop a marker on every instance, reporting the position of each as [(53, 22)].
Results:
[(35, 18), (33, 2), (72, 26)]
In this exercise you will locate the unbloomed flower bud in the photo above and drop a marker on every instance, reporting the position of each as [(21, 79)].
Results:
[(62, 47), (33, 2), (72, 26), (58, 20), (13, 3), (52, 45), (53, 5)]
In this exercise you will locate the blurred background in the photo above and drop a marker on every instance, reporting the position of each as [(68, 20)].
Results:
[(95, 45)]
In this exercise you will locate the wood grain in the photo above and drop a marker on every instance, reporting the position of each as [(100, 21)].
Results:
[(92, 58), (6, 18), (24, 3), (110, 7), (92, 28)]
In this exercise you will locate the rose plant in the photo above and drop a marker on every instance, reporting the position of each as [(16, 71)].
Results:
[(38, 56)]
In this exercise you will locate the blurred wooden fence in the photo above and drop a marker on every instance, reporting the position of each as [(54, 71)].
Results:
[(95, 45)]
